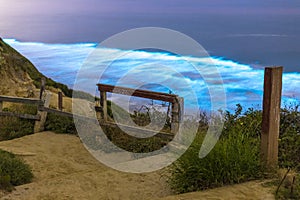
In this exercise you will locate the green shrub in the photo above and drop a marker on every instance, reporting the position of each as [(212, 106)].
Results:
[(60, 124), (248, 122), (13, 171), (5, 182), (134, 144), (289, 143), (234, 159), (13, 127)]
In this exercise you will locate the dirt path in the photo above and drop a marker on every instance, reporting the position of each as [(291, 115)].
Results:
[(64, 169), (253, 190)]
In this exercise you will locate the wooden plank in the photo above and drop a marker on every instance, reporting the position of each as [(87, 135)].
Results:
[(175, 117), (60, 101), (67, 114), (181, 108), (271, 116), (103, 104), (138, 92), (40, 125), (21, 100), (71, 115), (42, 89), (20, 115), (58, 112)]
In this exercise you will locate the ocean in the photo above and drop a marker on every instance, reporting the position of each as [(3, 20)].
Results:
[(157, 71)]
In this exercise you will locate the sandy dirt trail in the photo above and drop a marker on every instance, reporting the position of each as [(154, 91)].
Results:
[(64, 169)]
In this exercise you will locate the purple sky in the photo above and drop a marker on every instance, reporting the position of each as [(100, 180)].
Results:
[(258, 32), (43, 7)]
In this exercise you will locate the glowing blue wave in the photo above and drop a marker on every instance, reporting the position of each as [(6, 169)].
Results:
[(243, 84)]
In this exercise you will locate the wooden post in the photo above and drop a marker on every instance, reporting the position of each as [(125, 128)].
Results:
[(1, 106), (103, 104), (97, 106), (40, 125), (175, 117), (181, 108), (60, 101), (271, 117), (42, 89)]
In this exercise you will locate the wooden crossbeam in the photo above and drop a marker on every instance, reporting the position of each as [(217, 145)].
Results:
[(69, 114), (50, 110), (21, 100), (137, 93), (20, 115)]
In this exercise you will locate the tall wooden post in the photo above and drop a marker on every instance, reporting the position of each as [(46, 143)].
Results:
[(60, 101), (1, 106), (42, 89), (40, 125), (175, 117), (97, 109), (103, 104), (181, 108), (271, 117)]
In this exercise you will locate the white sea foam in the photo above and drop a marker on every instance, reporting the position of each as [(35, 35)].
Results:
[(243, 84)]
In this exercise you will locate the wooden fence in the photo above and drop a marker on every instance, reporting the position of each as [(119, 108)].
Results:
[(270, 123), (175, 100), (39, 118), (36, 102), (42, 107)]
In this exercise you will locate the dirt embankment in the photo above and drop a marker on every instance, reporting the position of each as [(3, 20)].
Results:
[(64, 169)]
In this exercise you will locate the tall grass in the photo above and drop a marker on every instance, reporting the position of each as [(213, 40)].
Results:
[(234, 159), (13, 127), (289, 143)]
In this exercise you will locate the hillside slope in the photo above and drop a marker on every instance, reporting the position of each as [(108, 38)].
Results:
[(19, 77), (15, 81)]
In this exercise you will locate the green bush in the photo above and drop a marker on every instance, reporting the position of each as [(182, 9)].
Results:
[(5, 182), (234, 159), (248, 122), (130, 143), (13, 171), (13, 127), (60, 124), (289, 143)]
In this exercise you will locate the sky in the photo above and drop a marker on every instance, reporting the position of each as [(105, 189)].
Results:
[(244, 36), (260, 33)]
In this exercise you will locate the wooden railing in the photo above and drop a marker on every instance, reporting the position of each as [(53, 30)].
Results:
[(39, 118), (175, 100), (42, 107), (36, 102), (270, 122)]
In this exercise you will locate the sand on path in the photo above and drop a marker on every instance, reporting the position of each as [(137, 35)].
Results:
[(64, 169)]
